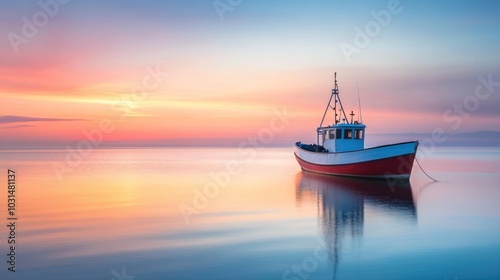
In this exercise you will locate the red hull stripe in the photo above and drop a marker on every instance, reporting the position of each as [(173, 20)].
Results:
[(387, 167)]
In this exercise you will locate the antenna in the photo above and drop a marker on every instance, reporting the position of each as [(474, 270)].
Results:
[(359, 99), (336, 92)]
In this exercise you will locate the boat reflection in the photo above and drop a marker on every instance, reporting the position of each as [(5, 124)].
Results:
[(341, 203)]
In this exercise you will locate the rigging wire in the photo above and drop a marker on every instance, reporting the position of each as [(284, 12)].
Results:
[(359, 100)]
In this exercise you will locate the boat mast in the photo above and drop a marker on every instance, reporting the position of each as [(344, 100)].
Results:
[(335, 92), (337, 98)]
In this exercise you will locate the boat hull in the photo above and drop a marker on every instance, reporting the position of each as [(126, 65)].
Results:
[(389, 161)]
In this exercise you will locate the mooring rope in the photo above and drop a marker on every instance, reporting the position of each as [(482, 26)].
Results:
[(416, 159)]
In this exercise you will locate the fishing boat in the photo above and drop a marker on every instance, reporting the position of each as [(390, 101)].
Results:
[(340, 149)]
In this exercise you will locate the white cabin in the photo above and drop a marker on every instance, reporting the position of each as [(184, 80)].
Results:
[(343, 137)]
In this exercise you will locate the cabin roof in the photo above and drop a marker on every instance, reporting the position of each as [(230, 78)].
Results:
[(343, 125)]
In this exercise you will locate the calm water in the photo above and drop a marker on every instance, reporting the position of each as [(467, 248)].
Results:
[(240, 214)]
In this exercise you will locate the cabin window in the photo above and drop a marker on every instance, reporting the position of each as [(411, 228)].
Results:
[(358, 134), (332, 134), (339, 133), (347, 133), (326, 134)]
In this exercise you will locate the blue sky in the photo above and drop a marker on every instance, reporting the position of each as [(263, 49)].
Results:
[(231, 70)]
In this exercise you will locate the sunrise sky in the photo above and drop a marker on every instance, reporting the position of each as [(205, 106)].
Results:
[(223, 68)]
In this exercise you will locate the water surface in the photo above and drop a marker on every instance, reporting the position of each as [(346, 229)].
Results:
[(232, 214)]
